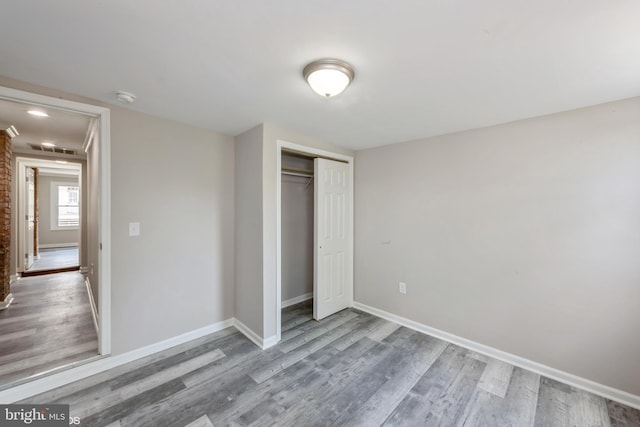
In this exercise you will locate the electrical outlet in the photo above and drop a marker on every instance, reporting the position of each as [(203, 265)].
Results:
[(402, 288)]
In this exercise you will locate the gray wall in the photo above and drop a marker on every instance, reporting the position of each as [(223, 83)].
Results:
[(297, 230), (524, 237), (47, 236), (248, 229), (178, 182)]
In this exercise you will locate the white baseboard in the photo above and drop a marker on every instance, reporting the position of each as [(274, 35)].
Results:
[(253, 337), (547, 371), (59, 379), (7, 302), (13, 278), (92, 302), (270, 342), (57, 245), (297, 300)]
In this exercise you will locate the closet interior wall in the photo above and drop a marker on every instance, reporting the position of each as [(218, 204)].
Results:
[(297, 227)]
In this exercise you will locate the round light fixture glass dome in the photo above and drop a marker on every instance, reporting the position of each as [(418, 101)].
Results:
[(328, 77)]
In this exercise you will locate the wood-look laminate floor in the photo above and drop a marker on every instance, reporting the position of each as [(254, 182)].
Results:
[(350, 369), (49, 324), (53, 258)]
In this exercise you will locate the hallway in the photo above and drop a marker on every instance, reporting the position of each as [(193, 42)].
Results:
[(48, 325)]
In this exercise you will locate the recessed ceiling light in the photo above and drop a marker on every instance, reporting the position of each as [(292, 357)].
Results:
[(48, 144), (38, 113), (328, 77)]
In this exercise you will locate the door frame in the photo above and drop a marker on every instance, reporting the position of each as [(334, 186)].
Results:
[(102, 116), (22, 163), (310, 151)]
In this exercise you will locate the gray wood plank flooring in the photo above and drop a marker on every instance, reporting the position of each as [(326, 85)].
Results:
[(48, 325), (53, 258), (350, 369)]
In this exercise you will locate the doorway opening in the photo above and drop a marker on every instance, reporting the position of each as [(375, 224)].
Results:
[(314, 249), (74, 234), (50, 221)]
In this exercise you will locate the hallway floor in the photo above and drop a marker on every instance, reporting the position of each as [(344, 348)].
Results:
[(48, 325), (54, 258)]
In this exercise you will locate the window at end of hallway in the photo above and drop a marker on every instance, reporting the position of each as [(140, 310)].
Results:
[(65, 214)]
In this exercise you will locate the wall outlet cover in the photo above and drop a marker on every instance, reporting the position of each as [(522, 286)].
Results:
[(134, 229)]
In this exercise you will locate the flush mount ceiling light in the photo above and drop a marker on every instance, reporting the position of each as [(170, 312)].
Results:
[(38, 113), (328, 77), (48, 144), (125, 97)]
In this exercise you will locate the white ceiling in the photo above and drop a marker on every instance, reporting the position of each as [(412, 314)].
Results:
[(423, 67), (64, 129)]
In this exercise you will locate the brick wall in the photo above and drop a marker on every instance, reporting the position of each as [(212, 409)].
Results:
[(5, 213)]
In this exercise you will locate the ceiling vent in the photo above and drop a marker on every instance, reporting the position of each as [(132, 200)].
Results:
[(58, 150)]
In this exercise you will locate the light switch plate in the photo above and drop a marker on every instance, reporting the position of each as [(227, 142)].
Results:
[(134, 229)]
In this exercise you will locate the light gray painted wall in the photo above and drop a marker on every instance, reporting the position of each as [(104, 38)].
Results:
[(46, 235), (297, 230), (178, 182), (524, 237), (248, 229)]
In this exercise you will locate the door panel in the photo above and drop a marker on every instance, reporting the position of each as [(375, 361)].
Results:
[(331, 275), (31, 214)]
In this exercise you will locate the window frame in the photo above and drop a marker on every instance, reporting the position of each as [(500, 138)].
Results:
[(55, 185)]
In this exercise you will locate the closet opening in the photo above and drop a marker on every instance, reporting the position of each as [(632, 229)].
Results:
[(297, 213), (314, 235)]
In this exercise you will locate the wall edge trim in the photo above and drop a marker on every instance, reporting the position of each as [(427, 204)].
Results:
[(247, 332), (58, 245), (7, 302), (92, 303), (263, 343), (296, 300)]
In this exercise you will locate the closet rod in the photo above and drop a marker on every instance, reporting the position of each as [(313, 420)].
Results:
[(291, 170), (306, 175)]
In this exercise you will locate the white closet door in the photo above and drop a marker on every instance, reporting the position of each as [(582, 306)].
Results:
[(331, 268)]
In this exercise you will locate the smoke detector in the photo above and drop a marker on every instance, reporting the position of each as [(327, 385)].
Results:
[(125, 97)]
